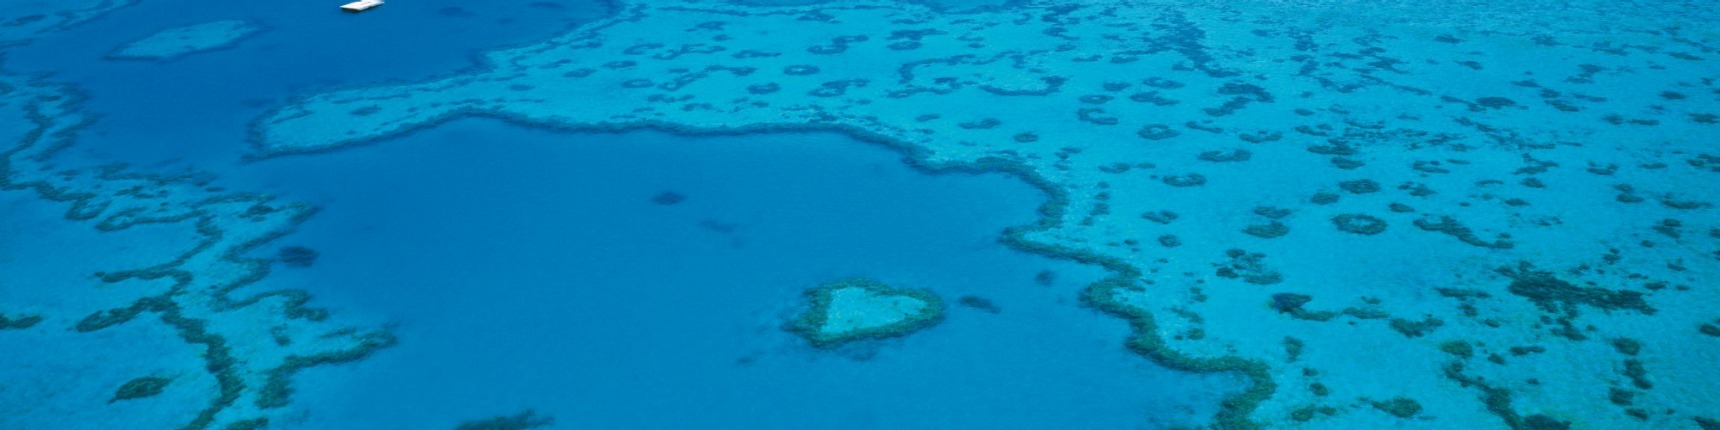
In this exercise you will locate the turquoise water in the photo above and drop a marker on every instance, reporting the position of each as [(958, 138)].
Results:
[(609, 215)]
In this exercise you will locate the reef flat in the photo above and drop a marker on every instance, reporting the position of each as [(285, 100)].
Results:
[(844, 311), (142, 308), (1507, 207), (181, 41)]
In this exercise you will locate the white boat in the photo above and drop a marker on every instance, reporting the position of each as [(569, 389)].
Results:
[(361, 5)]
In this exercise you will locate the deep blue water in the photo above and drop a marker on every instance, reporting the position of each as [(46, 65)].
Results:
[(544, 276)]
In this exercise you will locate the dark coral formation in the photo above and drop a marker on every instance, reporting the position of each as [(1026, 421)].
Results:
[(981, 124), (1306, 413), (1620, 396), (1233, 412), (297, 256), (1627, 346), (1262, 136), (764, 88), (1707, 423), (1450, 226), (1161, 217), (1231, 156), (1638, 375), (1669, 228), (1157, 132), (1412, 329), (524, 420), (1045, 278), (277, 388), (800, 70), (1293, 304), (1169, 241), (1360, 186), (668, 198), (1249, 267), (1271, 212), (148, 386), (1458, 348), (979, 303), (1152, 97), (1269, 230), (1290, 302), (112, 317), (19, 323), (1495, 102), (1559, 297), (1293, 348), (1189, 180), (1498, 401), (1466, 298), (1362, 224), (1401, 407)]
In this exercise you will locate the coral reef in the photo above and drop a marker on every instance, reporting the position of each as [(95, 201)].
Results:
[(668, 198), (1557, 296), (297, 256), (524, 420), (1362, 224), (19, 322), (1267, 231), (979, 303), (147, 386), (843, 311), (1249, 267), (1401, 407), (178, 42), (1412, 328)]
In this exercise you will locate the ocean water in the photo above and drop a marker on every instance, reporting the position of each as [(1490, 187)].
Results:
[(556, 283), (1159, 214), (201, 104)]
